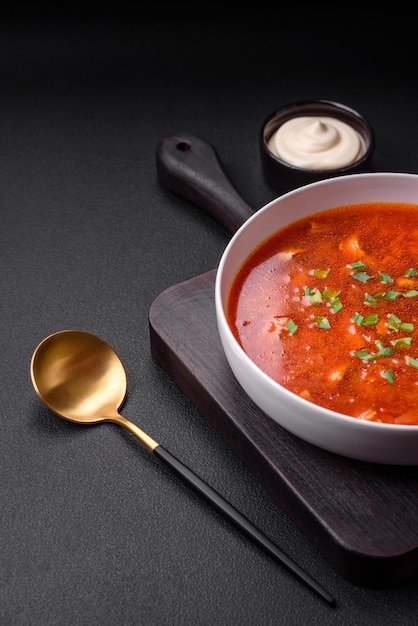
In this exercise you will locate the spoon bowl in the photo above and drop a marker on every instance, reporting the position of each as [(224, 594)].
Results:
[(79, 377)]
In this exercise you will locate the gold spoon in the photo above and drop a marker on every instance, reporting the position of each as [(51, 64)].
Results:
[(80, 378)]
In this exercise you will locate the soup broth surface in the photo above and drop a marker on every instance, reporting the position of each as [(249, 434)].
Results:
[(328, 307)]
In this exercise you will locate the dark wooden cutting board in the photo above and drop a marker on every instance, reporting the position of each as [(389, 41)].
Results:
[(362, 517)]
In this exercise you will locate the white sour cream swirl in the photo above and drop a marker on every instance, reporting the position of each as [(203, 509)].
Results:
[(317, 143)]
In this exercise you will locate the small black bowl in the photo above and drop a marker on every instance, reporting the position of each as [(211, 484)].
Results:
[(284, 176)]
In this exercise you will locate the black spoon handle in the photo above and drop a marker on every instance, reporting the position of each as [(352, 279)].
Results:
[(239, 520), (191, 168)]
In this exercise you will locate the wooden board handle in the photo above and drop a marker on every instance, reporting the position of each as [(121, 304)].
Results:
[(191, 168)]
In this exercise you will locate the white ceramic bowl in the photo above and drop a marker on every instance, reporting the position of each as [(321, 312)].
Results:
[(359, 439)]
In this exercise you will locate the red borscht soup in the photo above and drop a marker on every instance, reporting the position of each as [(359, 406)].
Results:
[(328, 307)]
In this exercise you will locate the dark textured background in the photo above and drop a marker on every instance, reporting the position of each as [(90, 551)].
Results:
[(94, 530)]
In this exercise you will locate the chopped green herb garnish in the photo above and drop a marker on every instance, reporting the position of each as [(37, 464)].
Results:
[(365, 355), (411, 272), (329, 294), (291, 326), (410, 294), (411, 361), (389, 376), (384, 352), (386, 295), (391, 295), (321, 273), (357, 265), (322, 322), (315, 297), (402, 342), (385, 278), (336, 305), (357, 318), (362, 277), (369, 320), (406, 327), (370, 300), (394, 323), (380, 296)]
